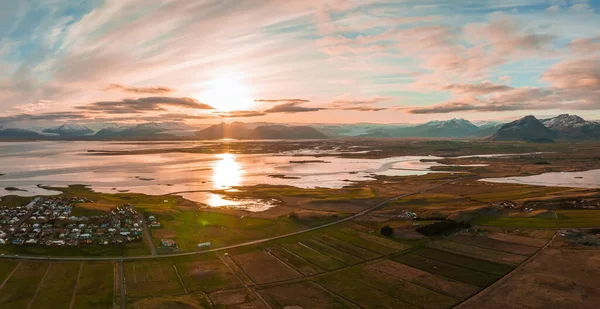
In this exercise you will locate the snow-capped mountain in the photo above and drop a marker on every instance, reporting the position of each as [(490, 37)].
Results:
[(69, 130), (563, 121), (482, 124), (573, 127)]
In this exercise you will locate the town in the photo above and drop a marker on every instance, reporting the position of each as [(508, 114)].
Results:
[(49, 222)]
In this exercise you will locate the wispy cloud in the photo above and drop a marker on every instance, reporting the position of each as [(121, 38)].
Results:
[(148, 104), (151, 90), (291, 108)]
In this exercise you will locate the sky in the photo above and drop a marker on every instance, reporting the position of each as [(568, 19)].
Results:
[(297, 61)]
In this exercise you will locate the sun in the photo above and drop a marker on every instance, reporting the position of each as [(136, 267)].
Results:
[(228, 93)]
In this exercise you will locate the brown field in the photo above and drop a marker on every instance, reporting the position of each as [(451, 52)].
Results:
[(494, 244), (529, 241), (303, 294), (431, 281), (239, 298), (478, 252), (262, 267), (195, 301), (555, 279), (206, 275), (100, 205), (151, 278)]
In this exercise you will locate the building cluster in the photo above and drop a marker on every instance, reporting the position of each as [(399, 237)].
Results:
[(49, 222)]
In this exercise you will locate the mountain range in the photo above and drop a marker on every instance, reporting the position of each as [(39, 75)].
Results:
[(529, 128), (562, 127)]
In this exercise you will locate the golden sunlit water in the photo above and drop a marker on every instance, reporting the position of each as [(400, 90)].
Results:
[(227, 172)]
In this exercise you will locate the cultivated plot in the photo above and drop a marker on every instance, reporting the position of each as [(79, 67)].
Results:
[(262, 267), (557, 278), (156, 278), (21, 286), (206, 275), (58, 286), (295, 261), (304, 294), (95, 286)]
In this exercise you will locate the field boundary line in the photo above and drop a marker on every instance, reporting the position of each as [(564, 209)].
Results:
[(305, 260), (39, 286), (72, 303), (323, 254), (123, 285), (336, 249), (256, 294), (284, 263), (10, 275), (180, 279), (336, 294), (356, 245), (494, 285), (210, 303)]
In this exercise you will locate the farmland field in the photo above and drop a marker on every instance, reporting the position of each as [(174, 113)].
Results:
[(464, 261), (206, 275), (450, 271), (295, 261), (57, 288), (95, 288), (313, 256), (563, 219), (478, 252), (255, 263), (443, 285), (22, 285), (151, 278), (304, 294)]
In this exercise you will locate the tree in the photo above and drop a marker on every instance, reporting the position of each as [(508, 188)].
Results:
[(387, 231)]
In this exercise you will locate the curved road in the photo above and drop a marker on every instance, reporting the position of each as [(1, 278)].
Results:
[(249, 243)]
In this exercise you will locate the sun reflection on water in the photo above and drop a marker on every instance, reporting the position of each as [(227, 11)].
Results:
[(227, 172)]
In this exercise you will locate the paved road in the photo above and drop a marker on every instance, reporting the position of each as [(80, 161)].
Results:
[(249, 243)]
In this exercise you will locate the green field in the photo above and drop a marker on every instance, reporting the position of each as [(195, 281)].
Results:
[(356, 251), (342, 256), (298, 263), (463, 261), (355, 290), (6, 268), (151, 278), (57, 289), (21, 287), (447, 270), (205, 274), (96, 286), (192, 227), (322, 260), (563, 219)]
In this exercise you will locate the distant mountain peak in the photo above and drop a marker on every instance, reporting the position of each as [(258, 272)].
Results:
[(564, 121), (525, 129), (68, 129)]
